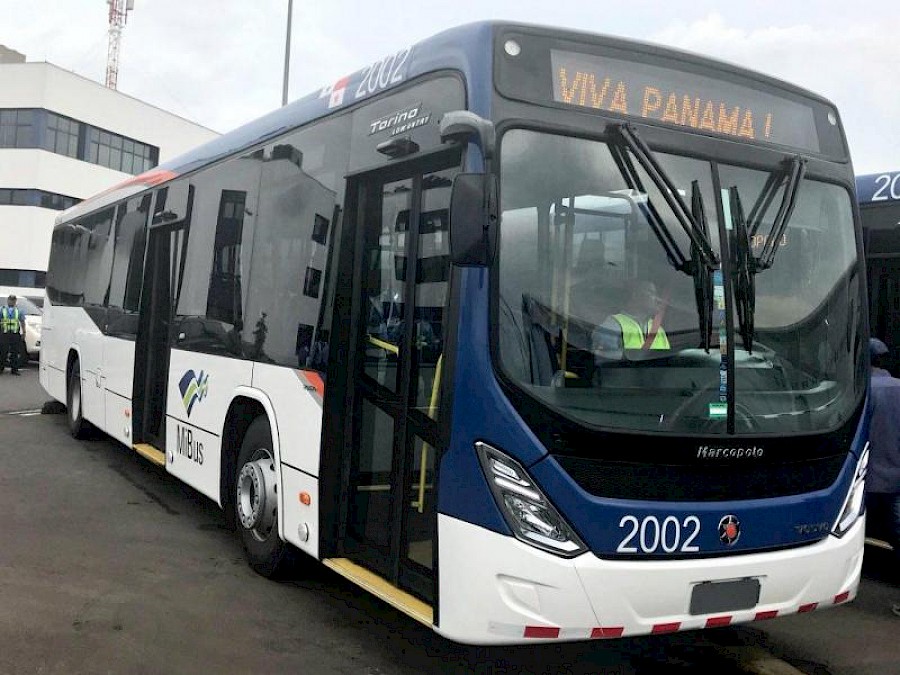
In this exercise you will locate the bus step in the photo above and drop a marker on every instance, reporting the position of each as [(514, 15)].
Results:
[(147, 451), (406, 603)]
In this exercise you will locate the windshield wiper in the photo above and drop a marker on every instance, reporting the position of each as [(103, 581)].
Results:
[(657, 224), (669, 192), (793, 177), (703, 291), (746, 265), (743, 270)]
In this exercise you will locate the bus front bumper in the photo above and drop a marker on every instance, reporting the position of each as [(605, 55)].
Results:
[(496, 590)]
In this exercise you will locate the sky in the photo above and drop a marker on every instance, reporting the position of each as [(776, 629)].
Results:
[(220, 63)]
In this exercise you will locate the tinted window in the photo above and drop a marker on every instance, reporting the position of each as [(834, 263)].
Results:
[(97, 256), (128, 265), (301, 192), (68, 256), (210, 298)]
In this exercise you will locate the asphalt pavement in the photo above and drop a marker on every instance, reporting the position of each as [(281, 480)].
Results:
[(110, 565)]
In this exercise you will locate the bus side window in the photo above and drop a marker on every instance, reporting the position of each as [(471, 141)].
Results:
[(128, 263), (286, 317)]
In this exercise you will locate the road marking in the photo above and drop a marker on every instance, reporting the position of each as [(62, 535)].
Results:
[(25, 413)]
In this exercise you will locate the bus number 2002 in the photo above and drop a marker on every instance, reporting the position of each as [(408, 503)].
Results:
[(670, 535)]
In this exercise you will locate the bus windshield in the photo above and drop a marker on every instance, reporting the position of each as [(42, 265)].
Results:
[(599, 320)]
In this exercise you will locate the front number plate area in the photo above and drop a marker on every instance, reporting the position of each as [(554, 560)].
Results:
[(713, 597)]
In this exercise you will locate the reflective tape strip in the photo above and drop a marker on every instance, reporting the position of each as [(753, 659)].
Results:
[(541, 632), (841, 597), (544, 632), (607, 632), (666, 627), (714, 621), (808, 608), (762, 616)]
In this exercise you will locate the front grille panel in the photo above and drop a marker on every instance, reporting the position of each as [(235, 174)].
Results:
[(700, 482)]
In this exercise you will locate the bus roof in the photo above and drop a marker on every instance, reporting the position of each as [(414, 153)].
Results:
[(466, 48)]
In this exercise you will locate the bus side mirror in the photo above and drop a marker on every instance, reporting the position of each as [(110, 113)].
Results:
[(473, 219), (473, 202)]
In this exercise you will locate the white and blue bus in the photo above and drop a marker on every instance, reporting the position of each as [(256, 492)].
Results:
[(364, 325), (879, 211)]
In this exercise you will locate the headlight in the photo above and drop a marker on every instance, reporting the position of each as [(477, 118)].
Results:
[(529, 514), (855, 504)]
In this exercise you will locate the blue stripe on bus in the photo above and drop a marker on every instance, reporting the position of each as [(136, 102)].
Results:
[(478, 397)]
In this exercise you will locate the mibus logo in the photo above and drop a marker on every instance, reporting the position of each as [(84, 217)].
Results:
[(193, 388)]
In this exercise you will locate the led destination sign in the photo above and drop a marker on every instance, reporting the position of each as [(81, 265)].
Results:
[(681, 98)]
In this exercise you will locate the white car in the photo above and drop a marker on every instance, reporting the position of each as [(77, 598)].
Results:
[(33, 318)]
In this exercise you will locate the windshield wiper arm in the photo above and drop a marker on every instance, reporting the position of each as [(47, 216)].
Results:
[(670, 193), (657, 224), (703, 291), (789, 201), (743, 270)]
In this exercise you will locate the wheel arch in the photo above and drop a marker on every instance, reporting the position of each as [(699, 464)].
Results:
[(246, 406)]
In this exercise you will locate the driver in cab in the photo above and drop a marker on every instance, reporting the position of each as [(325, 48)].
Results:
[(634, 331)]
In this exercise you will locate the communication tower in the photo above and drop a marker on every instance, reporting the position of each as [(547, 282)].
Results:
[(118, 15)]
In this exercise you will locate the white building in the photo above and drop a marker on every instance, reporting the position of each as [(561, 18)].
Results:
[(64, 138)]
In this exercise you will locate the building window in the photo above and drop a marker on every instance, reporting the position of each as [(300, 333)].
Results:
[(71, 138), (16, 128), (50, 200), (119, 153), (26, 278), (61, 135), (312, 281), (224, 299), (320, 229), (46, 200)]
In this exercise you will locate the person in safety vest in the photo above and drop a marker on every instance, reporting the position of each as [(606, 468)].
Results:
[(636, 329), (12, 328)]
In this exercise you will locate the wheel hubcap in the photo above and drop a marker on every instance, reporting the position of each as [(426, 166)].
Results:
[(256, 495)]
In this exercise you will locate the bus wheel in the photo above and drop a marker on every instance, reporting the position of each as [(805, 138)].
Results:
[(256, 502), (78, 427)]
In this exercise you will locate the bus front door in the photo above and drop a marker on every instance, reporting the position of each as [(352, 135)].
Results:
[(151, 363), (400, 289)]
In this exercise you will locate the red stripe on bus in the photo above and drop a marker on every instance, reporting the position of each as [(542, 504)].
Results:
[(808, 608), (714, 621), (607, 631), (841, 597), (148, 179), (666, 627), (315, 380), (762, 616), (541, 632)]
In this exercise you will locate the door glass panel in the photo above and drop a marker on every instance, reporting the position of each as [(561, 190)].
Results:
[(420, 513), (385, 283), (371, 509), (432, 275)]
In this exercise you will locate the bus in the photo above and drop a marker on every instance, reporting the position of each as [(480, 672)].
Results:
[(364, 326), (879, 211)]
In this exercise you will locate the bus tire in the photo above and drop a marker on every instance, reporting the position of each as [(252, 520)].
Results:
[(256, 502), (78, 426)]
